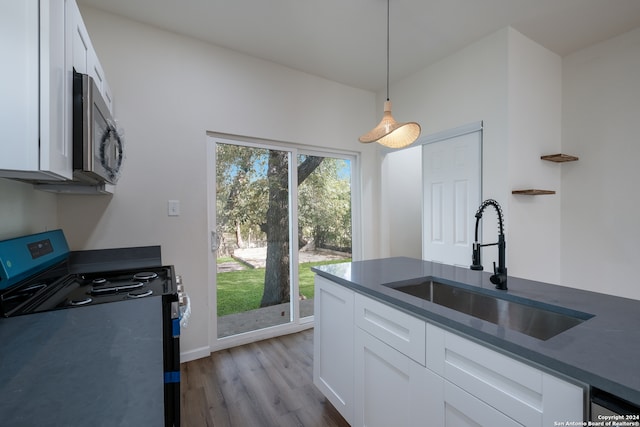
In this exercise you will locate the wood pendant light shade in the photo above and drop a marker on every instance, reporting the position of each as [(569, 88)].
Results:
[(391, 133)]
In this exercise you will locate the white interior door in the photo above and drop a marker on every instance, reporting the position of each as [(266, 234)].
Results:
[(452, 184)]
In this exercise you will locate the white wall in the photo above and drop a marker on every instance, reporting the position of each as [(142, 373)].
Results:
[(513, 85), (534, 102), (601, 201), (169, 90), (401, 220), (24, 210)]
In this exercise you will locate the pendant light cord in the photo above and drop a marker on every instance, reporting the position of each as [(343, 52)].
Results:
[(388, 9)]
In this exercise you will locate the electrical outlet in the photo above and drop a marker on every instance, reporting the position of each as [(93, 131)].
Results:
[(173, 207)]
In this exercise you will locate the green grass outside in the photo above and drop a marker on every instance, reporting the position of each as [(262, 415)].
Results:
[(240, 291)]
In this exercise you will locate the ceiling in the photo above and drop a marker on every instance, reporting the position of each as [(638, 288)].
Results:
[(345, 40)]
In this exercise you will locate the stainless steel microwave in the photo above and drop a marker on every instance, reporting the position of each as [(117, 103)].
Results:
[(98, 149)]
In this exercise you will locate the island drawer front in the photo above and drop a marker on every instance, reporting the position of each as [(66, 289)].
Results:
[(405, 333), (510, 386), (463, 409), (526, 394)]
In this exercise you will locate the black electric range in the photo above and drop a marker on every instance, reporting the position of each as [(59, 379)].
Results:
[(85, 330)]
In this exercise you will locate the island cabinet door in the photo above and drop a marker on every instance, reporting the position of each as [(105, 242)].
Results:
[(333, 345), (391, 389), (460, 409)]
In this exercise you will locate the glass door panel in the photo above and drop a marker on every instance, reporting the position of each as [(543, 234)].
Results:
[(324, 219), (253, 280)]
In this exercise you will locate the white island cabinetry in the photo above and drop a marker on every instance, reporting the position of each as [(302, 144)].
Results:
[(333, 344), (392, 385), (408, 372), (523, 393)]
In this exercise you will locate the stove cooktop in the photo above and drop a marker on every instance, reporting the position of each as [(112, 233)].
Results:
[(80, 290), (15, 297), (39, 273)]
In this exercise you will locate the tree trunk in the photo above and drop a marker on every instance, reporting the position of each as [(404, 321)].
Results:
[(307, 167), (276, 276), (239, 235)]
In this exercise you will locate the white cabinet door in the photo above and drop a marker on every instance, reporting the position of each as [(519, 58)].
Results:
[(84, 57), (55, 92), (95, 70), (37, 136), (79, 39), (460, 409), (391, 389), (106, 94), (19, 86), (333, 344)]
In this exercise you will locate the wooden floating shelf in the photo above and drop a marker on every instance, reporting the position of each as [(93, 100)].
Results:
[(559, 158), (533, 192)]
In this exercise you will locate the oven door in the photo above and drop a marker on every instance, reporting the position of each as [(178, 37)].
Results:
[(98, 149)]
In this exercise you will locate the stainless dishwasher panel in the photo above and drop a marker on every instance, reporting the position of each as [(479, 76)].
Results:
[(607, 407)]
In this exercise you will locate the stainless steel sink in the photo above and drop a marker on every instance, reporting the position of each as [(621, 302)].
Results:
[(532, 318)]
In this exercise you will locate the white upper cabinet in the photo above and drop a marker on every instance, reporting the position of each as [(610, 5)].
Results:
[(83, 56), (77, 34), (41, 42), (95, 70), (36, 96), (55, 92)]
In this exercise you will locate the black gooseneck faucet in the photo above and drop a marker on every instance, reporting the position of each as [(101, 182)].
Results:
[(499, 277)]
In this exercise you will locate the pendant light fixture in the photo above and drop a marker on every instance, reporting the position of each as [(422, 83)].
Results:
[(389, 132)]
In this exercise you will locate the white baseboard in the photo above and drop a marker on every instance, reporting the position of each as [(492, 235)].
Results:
[(236, 340), (263, 334), (197, 353)]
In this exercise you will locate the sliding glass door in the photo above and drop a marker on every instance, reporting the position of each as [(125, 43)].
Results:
[(278, 211)]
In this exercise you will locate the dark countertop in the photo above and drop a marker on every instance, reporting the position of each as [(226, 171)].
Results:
[(603, 351)]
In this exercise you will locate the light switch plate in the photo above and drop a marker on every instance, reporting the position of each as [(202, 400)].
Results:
[(173, 207)]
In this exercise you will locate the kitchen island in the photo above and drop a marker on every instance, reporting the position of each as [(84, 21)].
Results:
[(602, 351)]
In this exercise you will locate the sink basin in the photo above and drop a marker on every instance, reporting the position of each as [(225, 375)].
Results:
[(532, 318)]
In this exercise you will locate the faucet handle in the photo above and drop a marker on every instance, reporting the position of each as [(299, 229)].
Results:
[(476, 264), (499, 278)]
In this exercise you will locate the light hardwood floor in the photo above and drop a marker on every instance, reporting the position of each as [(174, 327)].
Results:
[(263, 384)]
